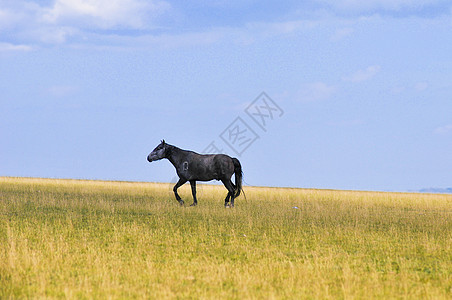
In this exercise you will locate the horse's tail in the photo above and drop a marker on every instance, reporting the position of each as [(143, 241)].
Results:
[(238, 178)]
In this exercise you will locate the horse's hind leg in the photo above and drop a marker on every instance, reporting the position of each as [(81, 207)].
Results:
[(232, 193), (226, 200), (230, 187), (193, 192), (178, 184)]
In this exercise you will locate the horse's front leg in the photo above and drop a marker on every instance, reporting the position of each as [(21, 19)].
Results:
[(178, 184), (193, 192)]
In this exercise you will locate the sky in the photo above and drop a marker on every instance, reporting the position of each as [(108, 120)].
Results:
[(329, 94)]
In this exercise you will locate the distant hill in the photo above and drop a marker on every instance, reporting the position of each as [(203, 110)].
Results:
[(436, 190)]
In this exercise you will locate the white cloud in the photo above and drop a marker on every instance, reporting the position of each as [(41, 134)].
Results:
[(17, 14), (93, 23), (28, 22), (248, 34), (421, 86), (398, 89), (12, 47), (388, 5), (255, 31), (417, 87), (53, 34), (341, 34), (363, 75), (280, 28), (104, 14), (443, 129), (315, 91), (7, 18), (60, 91)]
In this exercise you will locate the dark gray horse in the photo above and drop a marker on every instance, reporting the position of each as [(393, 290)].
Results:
[(191, 166)]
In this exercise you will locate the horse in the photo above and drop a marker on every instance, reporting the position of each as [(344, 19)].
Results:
[(191, 166)]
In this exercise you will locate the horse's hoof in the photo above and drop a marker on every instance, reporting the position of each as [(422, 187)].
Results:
[(193, 204), (181, 202)]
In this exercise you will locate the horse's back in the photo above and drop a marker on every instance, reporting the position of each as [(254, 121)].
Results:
[(215, 166)]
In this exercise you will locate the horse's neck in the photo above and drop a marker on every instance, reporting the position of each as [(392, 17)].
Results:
[(177, 156)]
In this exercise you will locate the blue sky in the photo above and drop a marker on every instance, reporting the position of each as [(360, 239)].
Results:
[(90, 87)]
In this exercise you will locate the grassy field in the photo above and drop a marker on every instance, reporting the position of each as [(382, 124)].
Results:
[(93, 239)]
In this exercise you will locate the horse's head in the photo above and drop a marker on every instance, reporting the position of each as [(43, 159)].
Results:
[(161, 151)]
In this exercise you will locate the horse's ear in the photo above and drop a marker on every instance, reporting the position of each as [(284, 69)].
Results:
[(163, 142)]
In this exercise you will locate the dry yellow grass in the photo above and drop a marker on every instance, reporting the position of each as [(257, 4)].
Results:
[(95, 239)]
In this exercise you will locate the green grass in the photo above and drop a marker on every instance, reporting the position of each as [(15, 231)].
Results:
[(93, 239)]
